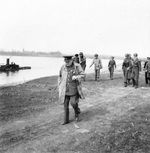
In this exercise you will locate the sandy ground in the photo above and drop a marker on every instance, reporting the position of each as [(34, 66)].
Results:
[(114, 118)]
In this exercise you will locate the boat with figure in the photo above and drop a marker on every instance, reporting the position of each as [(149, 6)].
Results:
[(12, 67)]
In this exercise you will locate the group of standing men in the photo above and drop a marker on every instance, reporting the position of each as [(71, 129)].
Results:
[(69, 81), (73, 71), (131, 69)]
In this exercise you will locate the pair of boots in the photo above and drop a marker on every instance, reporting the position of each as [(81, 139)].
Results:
[(66, 115)]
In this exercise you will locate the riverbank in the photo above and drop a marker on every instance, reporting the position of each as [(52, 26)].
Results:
[(114, 119), (40, 69)]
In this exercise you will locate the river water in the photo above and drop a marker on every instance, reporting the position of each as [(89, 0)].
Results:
[(40, 67)]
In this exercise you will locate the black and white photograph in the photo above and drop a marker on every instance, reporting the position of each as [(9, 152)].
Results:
[(74, 76)]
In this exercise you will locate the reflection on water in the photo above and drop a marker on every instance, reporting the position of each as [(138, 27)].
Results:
[(13, 73), (40, 67)]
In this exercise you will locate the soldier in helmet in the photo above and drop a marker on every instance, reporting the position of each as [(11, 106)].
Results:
[(136, 68), (126, 65)]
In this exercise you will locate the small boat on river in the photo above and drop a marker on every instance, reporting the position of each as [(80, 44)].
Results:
[(12, 67)]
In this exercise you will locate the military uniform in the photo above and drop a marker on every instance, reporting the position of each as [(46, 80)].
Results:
[(146, 80), (136, 68), (111, 66), (147, 67), (97, 65), (69, 88), (126, 67)]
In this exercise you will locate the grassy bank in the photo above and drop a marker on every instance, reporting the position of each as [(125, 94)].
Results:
[(114, 119)]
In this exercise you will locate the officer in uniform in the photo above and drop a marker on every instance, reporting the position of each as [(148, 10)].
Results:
[(146, 80), (97, 66), (147, 69), (69, 81), (136, 68), (111, 66), (126, 65)]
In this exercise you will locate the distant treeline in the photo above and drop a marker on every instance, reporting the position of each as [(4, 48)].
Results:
[(31, 53), (53, 54), (48, 54)]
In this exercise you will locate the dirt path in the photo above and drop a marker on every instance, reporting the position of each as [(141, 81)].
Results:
[(33, 126)]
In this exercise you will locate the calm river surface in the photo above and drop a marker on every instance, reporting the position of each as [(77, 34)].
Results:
[(40, 67)]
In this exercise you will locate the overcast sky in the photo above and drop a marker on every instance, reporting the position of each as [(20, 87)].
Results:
[(110, 27)]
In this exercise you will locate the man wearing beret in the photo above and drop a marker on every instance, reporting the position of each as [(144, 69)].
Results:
[(69, 82)]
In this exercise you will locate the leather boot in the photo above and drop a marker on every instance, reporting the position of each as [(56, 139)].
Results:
[(136, 84), (77, 112), (66, 117), (133, 81)]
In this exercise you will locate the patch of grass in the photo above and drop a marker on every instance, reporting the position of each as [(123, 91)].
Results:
[(131, 134)]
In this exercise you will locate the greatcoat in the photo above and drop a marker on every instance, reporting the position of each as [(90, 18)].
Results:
[(62, 80)]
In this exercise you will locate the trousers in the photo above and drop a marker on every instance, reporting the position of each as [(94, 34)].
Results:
[(111, 71), (135, 76), (74, 104), (97, 74)]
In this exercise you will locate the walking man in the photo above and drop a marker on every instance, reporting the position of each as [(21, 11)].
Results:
[(136, 68), (129, 70), (126, 65), (69, 82), (111, 66), (97, 65), (147, 67), (146, 80), (82, 61)]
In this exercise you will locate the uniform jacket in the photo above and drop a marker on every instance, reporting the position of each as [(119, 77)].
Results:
[(136, 64), (62, 80), (127, 63), (97, 63), (148, 66), (111, 64)]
